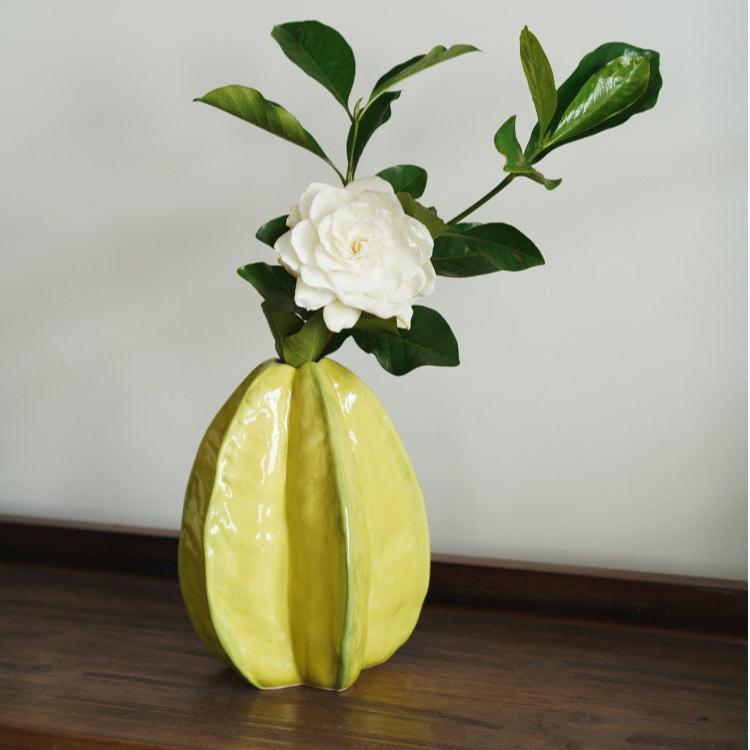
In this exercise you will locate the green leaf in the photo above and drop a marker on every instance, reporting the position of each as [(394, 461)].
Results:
[(475, 249), (335, 342), (507, 144), (273, 283), (364, 126), (282, 324), (540, 78), (322, 53), (250, 105), (506, 141), (417, 64), (373, 324), (309, 343), (524, 170), (430, 341), (406, 178), (435, 225), (589, 66), (607, 93), (272, 230)]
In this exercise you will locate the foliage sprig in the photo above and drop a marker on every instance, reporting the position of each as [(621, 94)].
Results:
[(610, 85)]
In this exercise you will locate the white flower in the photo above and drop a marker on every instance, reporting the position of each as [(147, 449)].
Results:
[(354, 250)]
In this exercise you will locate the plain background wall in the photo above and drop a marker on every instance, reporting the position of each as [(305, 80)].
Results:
[(598, 416)]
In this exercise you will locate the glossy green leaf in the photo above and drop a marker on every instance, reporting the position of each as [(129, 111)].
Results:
[(250, 105), (429, 341), (361, 130), (272, 230), (589, 66), (435, 225), (539, 77), (475, 249), (607, 93), (417, 64), (309, 343), (406, 178), (321, 52), (273, 283), (507, 144), (282, 324)]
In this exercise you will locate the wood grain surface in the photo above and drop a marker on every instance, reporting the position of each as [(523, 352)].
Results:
[(108, 660)]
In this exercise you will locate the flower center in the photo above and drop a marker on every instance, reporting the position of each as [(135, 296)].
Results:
[(358, 247)]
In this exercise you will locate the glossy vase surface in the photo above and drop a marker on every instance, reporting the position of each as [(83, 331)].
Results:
[(304, 549)]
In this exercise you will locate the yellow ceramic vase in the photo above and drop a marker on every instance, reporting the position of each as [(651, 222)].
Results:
[(304, 550)]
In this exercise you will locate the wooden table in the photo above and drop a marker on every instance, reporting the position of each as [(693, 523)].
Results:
[(92, 659)]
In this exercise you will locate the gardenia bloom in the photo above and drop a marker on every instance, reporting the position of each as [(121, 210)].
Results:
[(354, 250)]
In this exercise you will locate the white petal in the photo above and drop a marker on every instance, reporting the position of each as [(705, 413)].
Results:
[(349, 283), (304, 239), (311, 298), (294, 216), (306, 198), (369, 185), (330, 244), (378, 307), (415, 284), (288, 257), (429, 286), (420, 236), (326, 202), (403, 319), (386, 276), (338, 316), (327, 262), (376, 199), (314, 277)]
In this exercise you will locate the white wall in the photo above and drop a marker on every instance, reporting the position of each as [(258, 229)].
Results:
[(598, 416)]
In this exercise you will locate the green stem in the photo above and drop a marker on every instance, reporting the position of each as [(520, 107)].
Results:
[(350, 168), (474, 206)]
